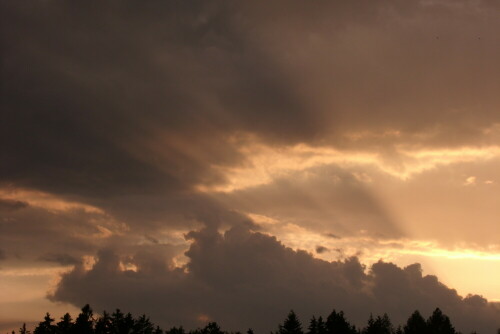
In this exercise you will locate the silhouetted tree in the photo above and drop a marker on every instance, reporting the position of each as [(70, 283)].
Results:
[(65, 325), (104, 324), (143, 326), (158, 330), (321, 326), (176, 330), (291, 325), (212, 328), (336, 323), (415, 324), (84, 323), (313, 326), (46, 326), (122, 323), (439, 323), (379, 325), (23, 329), (250, 331)]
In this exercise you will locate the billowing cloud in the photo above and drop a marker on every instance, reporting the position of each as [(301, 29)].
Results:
[(248, 279)]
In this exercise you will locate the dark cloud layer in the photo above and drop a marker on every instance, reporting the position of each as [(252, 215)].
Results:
[(246, 279), (104, 99)]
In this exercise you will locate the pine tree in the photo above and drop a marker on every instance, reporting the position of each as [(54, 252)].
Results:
[(65, 325), (313, 326), (46, 326), (439, 323), (176, 330), (291, 325), (415, 324), (23, 329), (104, 325), (379, 325), (143, 326), (84, 323), (336, 323), (212, 328), (321, 326)]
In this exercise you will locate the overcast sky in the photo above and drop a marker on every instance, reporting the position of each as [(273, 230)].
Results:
[(230, 160)]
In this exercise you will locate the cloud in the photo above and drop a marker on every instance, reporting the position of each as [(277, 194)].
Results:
[(114, 111), (321, 249), (249, 279), (11, 205)]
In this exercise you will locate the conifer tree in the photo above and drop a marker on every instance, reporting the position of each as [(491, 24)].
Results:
[(212, 328), (439, 323), (23, 329), (104, 325), (65, 325), (313, 326), (176, 330), (321, 326), (291, 325), (143, 326), (336, 323), (379, 325), (46, 326), (415, 324), (84, 323)]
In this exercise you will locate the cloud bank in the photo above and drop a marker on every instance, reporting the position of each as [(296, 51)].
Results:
[(248, 279)]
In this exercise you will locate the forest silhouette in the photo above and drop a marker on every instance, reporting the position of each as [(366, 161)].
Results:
[(336, 323)]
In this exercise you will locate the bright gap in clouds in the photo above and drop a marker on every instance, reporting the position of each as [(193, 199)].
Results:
[(265, 163)]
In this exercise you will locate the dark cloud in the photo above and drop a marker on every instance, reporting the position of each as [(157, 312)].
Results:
[(321, 249), (144, 98), (73, 233), (63, 259), (11, 205), (247, 279)]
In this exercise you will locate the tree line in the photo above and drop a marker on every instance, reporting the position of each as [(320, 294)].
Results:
[(336, 323)]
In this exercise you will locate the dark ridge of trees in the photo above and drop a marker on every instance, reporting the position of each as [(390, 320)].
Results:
[(336, 323)]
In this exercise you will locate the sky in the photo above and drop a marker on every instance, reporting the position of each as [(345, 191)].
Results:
[(233, 160)]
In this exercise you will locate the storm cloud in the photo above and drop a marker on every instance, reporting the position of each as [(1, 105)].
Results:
[(248, 279)]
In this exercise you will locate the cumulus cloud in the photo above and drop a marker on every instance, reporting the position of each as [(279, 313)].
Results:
[(248, 279)]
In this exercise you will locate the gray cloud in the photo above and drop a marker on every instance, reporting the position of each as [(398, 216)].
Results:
[(89, 106), (11, 205), (63, 259), (321, 249), (247, 279)]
